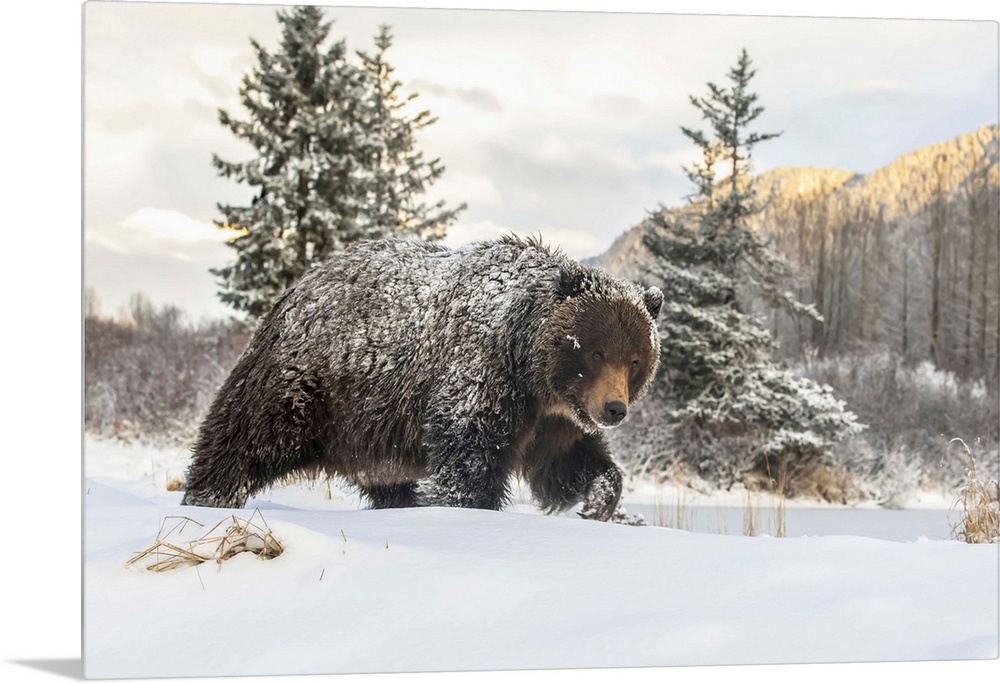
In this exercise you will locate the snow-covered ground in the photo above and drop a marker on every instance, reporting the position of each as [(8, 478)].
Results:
[(447, 589)]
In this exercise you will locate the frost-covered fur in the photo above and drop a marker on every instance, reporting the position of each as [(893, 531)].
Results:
[(427, 376)]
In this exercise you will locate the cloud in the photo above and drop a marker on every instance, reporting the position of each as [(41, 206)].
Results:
[(848, 130), (594, 193), (164, 277), (463, 233), (570, 149), (673, 160), (574, 243), (475, 189), (618, 106), (218, 69), (167, 225), (97, 237), (150, 230), (479, 98), (877, 85), (597, 70)]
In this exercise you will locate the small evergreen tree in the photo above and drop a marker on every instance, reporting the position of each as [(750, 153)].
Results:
[(335, 161), (731, 409), (400, 175)]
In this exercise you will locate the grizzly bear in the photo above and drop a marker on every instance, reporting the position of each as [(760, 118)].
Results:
[(428, 377)]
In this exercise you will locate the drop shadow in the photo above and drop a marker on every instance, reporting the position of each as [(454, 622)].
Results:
[(71, 668)]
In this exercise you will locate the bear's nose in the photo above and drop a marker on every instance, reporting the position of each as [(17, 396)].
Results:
[(614, 412)]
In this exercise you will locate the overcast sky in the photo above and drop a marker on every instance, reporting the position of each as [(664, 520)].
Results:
[(562, 123)]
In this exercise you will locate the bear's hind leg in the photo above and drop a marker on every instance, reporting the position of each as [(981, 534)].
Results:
[(391, 495), (221, 477), (258, 430)]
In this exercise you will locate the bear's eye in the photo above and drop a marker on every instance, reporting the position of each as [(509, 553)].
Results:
[(635, 363), (598, 356)]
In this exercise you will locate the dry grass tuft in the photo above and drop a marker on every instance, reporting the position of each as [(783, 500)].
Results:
[(777, 489), (678, 516), (749, 517), (175, 483), (168, 552), (980, 499)]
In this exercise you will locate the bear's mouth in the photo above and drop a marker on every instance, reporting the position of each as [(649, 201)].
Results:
[(581, 416)]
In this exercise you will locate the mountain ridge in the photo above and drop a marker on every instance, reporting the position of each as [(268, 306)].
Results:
[(900, 190)]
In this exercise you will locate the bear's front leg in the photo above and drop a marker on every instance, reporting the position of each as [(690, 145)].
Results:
[(566, 467)]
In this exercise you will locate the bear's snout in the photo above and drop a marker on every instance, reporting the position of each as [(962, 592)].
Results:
[(614, 412)]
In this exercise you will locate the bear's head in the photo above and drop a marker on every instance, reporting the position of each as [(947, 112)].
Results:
[(602, 347)]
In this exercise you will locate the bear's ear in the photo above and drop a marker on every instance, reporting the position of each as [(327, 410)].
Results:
[(653, 299)]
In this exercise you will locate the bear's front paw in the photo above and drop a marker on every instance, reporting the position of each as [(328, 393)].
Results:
[(602, 496)]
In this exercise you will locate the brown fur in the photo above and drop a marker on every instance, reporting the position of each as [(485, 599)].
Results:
[(598, 353)]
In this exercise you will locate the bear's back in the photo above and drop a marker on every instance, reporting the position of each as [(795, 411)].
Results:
[(390, 306)]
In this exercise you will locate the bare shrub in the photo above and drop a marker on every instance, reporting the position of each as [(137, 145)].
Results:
[(834, 484), (912, 412), (151, 375)]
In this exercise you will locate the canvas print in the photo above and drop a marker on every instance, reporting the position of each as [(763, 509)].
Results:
[(424, 340)]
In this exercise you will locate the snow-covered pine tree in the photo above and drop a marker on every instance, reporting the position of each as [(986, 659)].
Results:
[(400, 174), (731, 409), (303, 171), (328, 136)]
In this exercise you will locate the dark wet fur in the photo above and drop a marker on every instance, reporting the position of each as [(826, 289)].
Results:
[(425, 376)]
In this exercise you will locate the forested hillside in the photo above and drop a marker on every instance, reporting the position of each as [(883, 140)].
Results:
[(904, 259)]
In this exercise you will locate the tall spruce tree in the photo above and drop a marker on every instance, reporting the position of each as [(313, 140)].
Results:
[(335, 161), (731, 409)]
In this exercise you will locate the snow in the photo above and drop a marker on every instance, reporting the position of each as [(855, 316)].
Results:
[(453, 589)]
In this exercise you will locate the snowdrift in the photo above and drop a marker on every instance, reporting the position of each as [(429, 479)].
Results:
[(449, 589)]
